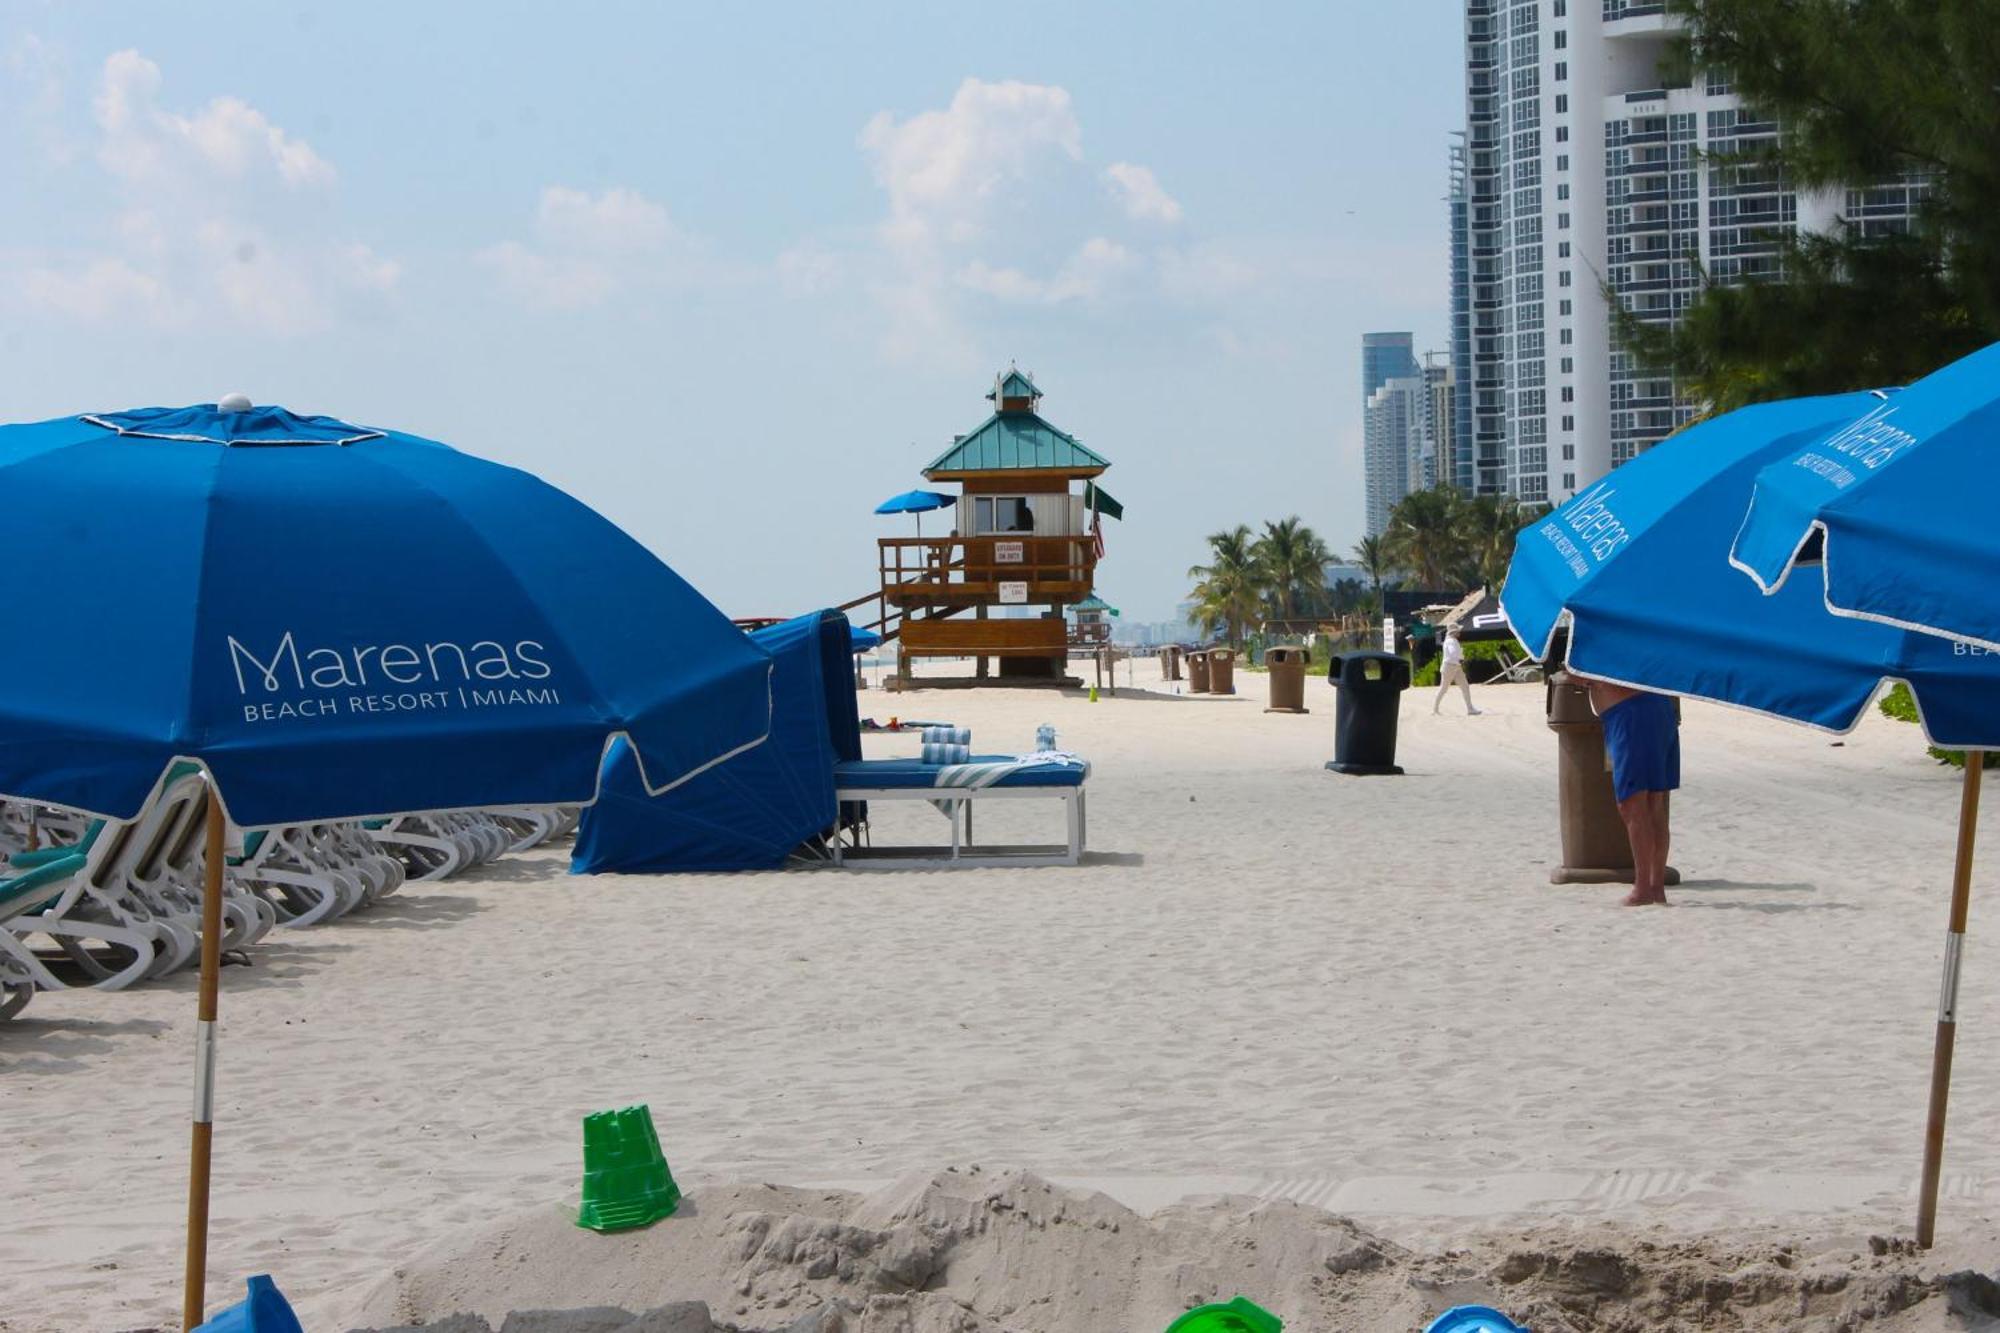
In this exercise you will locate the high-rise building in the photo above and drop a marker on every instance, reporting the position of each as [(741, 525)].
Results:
[(1385, 356), (1463, 471), (1580, 168), (1393, 445), (1441, 463)]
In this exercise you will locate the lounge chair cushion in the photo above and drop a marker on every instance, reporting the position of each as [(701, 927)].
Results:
[(983, 770)]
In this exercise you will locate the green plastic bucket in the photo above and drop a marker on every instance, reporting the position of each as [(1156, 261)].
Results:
[(1240, 1315), (626, 1183)]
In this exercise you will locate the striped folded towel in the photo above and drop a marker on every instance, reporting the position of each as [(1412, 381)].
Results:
[(947, 735), (940, 753), (987, 772)]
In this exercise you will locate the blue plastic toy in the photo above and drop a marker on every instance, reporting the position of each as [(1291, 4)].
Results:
[(1473, 1319), (264, 1310)]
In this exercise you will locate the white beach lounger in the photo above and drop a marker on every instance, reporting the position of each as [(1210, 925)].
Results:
[(955, 789)]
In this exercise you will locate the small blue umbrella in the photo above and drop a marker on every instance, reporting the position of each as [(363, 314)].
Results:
[(334, 621), (918, 503), (1894, 506), (1636, 567)]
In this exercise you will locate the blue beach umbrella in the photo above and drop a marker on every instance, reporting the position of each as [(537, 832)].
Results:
[(918, 503), (335, 621), (339, 622), (1636, 567), (1894, 507)]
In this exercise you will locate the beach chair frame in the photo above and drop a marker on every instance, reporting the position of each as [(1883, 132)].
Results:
[(852, 853)]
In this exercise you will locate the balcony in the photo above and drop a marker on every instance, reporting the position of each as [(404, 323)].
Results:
[(955, 572)]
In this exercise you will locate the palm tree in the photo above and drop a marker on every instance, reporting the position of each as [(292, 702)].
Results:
[(1230, 588), (1372, 555), (1424, 537), (1347, 597), (1293, 560), (1487, 527)]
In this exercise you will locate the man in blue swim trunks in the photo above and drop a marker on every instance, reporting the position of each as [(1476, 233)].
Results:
[(1642, 735)]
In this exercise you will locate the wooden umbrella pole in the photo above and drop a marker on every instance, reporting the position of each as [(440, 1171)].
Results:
[(1947, 1020), (204, 1065)]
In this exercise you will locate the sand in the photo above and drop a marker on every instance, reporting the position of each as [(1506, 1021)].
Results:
[(969, 1251), (1358, 994)]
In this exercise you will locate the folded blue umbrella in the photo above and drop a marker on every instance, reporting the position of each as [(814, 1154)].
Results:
[(754, 811), (338, 621), (1894, 505), (1637, 567)]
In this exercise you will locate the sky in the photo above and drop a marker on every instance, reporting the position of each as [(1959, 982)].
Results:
[(732, 274)]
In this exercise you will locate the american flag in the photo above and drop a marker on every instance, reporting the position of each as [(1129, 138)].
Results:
[(1096, 533)]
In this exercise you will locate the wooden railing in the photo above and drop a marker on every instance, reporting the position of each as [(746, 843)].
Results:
[(969, 571), (885, 622)]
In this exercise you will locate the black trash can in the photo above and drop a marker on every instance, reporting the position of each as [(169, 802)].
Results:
[(1364, 715)]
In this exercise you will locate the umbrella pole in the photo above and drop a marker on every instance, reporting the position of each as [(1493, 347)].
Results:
[(1947, 1021), (204, 1064)]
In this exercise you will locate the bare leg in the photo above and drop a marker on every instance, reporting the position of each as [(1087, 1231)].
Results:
[(1648, 887), (1662, 808)]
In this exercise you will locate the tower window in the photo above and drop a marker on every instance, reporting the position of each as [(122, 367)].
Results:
[(1002, 513)]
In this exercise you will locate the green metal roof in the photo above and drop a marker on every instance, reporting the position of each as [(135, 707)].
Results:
[(1015, 384), (1094, 603), (1015, 441)]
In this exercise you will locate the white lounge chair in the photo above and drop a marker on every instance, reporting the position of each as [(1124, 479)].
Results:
[(956, 789)]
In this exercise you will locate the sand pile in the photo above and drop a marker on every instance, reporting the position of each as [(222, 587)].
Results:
[(973, 1251)]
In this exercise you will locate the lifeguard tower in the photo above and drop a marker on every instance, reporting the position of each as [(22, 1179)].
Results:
[(1023, 549), (1091, 627)]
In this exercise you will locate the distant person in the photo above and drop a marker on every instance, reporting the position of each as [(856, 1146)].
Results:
[(1452, 672), (1642, 735)]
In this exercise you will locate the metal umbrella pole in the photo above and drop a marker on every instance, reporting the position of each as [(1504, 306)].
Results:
[(204, 1064), (1947, 1020)]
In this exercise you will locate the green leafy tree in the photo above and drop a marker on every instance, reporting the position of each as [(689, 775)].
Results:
[(1229, 589), (1866, 93), (1372, 555), (1425, 538), (1488, 525), (1293, 561)]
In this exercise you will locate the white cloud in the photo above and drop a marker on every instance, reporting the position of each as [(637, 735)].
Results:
[(989, 198), (1204, 273), (207, 222), (229, 138), (618, 219), (588, 247), (37, 77), (809, 269), (560, 282), (101, 291), (1139, 192), (1085, 275), (944, 169)]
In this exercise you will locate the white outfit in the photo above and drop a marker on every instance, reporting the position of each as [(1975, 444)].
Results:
[(1452, 672)]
